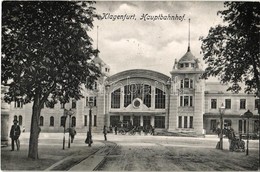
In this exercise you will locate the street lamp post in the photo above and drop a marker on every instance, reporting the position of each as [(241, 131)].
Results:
[(64, 125), (247, 115), (90, 124), (69, 128), (221, 111)]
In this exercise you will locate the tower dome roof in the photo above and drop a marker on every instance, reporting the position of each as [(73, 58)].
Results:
[(188, 57)]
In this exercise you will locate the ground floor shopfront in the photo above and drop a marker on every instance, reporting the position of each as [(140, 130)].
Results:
[(137, 119), (240, 125)]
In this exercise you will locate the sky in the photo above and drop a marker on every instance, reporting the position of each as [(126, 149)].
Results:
[(153, 45)]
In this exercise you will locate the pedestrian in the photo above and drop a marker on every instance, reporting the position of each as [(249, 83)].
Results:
[(15, 134), (115, 129), (105, 132), (231, 136), (72, 133), (152, 130)]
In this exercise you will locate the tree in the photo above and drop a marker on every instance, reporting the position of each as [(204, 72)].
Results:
[(46, 54), (231, 50)]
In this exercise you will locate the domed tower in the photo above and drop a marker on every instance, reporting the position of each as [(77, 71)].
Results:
[(186, 99)]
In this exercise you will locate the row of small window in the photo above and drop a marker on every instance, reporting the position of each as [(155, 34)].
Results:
[(185, 122), (138, 91), (228, 103), (187, 65), (63, 120), (19, 119), (19, 103)]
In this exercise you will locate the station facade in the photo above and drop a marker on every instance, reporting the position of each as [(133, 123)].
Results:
[(180, 102)]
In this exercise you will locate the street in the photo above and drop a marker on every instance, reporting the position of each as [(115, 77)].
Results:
[(136, 153), (159, 153)]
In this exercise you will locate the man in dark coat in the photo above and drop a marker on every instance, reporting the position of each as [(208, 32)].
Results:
[(105, 132), (15, 134)]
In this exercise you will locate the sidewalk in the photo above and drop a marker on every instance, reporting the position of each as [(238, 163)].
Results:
[(51, 154)]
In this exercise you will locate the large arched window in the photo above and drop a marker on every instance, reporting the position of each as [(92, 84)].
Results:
[(115, 99), (159, 99), (41, 121), (140, 91), (20, 119), (51, 121), (73, 121)]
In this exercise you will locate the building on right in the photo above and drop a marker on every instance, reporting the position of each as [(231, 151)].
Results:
[(235, 106)]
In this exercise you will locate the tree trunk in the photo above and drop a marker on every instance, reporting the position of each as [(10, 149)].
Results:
[(35, 129)]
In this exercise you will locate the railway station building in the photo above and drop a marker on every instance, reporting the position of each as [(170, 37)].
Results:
[(178, 102)]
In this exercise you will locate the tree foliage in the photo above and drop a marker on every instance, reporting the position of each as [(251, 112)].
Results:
[(231, 50), (46, 52)]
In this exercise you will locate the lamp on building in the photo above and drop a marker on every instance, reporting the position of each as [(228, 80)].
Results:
[(89, 135), (247, 115), (221, 111)]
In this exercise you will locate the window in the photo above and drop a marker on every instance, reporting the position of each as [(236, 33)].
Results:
[(159, 121), (227, 122), (141, 91), (91, 99), (256, 126), (62, 105), (187, 83), (147, 95), (73, 121), (18, 103), (85, 120), (95, 120), (228, 103), (240, 122), (136, 120), (186, 64), (180, 122), (186, 100), (74, 104), (146, 121), (62, 121), (115, 99), (94, 86), (242, 103), (114, 120), (126, 121), (41, 121), (191, 121), (181, 65), (20, 120), (52, 121), (159, 99), (213, 124), (192, 65), (213, 103), (185, 121), (257, 103)]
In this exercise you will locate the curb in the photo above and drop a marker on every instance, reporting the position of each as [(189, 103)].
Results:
[(53, 166)]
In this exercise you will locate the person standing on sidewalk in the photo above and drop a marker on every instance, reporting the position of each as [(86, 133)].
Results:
[(15, 134), (115, 129), (105, 132)]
